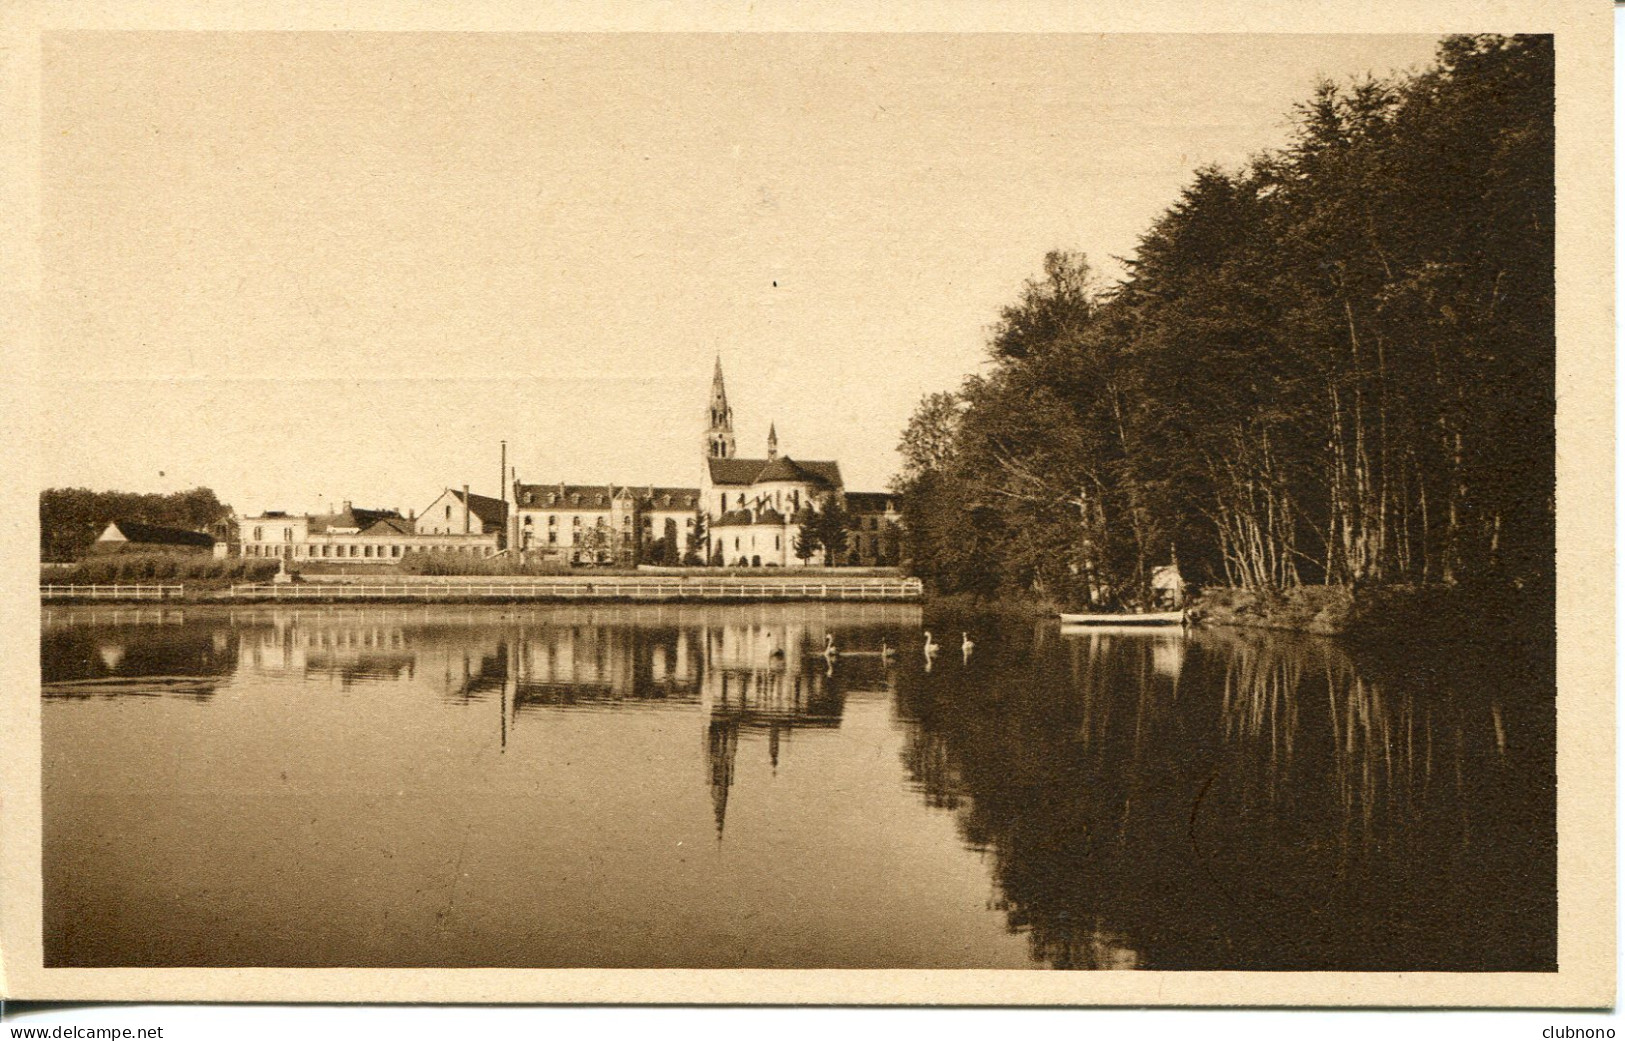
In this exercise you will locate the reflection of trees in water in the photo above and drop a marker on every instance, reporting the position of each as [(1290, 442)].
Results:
[(1250, 800), (119, 652)]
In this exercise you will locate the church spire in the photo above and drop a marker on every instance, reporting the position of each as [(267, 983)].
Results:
[(772, 441), (719, 431)]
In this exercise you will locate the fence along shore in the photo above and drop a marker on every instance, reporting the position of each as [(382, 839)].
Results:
[(651, 588)]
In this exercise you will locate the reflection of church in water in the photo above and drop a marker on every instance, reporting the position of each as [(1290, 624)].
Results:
[(762, 678)]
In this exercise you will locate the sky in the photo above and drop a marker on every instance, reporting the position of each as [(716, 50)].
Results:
[(302, 268)]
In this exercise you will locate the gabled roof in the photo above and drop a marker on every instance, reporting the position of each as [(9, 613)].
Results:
[(487, 509), (154, 535), (389, 526), (351, 517), (753, 471)]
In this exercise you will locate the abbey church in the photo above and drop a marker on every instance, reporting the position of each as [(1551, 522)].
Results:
[(752, 509)]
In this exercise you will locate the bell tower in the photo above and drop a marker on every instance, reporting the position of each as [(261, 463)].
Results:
[(719, 433)]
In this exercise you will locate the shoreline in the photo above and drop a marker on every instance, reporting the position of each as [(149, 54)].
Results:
[(1395, 615), (510, 590)]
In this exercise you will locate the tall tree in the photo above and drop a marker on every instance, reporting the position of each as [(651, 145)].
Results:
[(1333, 365)]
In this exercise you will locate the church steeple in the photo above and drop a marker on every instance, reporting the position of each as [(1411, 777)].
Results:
[(772, 441), (719, 432)]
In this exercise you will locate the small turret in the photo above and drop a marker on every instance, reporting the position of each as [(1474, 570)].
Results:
[(772, 441)]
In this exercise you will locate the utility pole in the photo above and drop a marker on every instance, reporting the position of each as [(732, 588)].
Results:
[(502, 493)]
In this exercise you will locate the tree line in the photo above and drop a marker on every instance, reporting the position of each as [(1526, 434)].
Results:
[(71, 519), (1335, 365)]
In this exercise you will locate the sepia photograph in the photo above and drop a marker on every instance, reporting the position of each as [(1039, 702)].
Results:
[(707, 501)]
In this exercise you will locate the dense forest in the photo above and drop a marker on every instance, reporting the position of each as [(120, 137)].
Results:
[(70, 519), (1333, 366)]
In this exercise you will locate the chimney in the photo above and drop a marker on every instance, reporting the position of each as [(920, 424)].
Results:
[(468, 511), (346, 505)]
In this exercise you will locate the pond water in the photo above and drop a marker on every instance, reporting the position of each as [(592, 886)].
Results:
[(617, 786)]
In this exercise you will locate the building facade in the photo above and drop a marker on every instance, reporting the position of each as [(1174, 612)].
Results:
[(464, 513), (356, 536), (750, 509), (603, 523)]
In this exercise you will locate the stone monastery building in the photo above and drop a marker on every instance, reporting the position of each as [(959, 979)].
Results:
[(752, 508)]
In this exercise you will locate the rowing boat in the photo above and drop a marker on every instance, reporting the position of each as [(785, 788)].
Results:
[(1151, 618)]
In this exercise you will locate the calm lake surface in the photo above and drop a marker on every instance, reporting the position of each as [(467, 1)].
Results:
[(625, 786)]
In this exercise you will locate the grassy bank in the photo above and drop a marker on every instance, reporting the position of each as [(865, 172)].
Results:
[(1396, 614), (135, 569)]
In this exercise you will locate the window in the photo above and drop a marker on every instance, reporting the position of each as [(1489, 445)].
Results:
[(552, 538), (287, 534), (777, 539), (394, 551), (448, 511), (366, 551), (722, 502), (529, 519), (575, 521), (552, 521), (259, 534), (626, 521)]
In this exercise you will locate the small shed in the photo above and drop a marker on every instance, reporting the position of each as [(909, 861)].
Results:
[(1168, 586)]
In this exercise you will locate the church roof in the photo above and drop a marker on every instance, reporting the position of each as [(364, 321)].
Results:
[(754, 471), (786, 469)]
